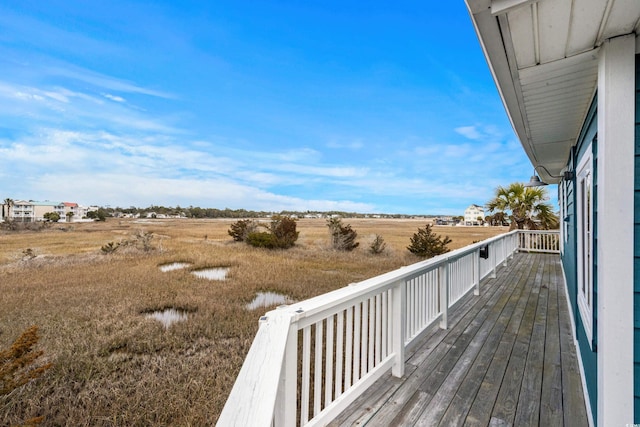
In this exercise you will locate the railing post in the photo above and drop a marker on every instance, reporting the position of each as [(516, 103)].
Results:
[(504, 252), (443, 281), (399, 310), (513, 247), (494, 262), (286, 401), (476, 272), (520, 241)]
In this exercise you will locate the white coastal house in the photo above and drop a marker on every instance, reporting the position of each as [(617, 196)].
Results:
[(32, 210), (474, 215)]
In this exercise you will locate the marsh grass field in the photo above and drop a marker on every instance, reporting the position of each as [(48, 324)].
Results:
[(113, 366)]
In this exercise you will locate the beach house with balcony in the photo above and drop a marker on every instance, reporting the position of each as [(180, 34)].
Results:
[(33, 210), (528, 328), (473, 215)]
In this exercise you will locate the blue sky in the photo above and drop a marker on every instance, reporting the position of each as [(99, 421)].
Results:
[(384, 107)]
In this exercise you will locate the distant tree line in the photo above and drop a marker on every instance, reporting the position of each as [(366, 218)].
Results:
[(198, 212)]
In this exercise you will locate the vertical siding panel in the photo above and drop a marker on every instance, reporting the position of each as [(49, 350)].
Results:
[(636, 264)]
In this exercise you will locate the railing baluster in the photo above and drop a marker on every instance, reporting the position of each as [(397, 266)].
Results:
[(317, 370), (372, 331), (357, 339), (413, 303), (306, 374), (339, 353), (385, 324), (418, 304), (379, 334), (328, 380), (365, 338), (348, 367)]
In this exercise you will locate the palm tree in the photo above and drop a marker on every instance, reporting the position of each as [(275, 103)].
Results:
[(500, 219), (525, 206), (8, 203)]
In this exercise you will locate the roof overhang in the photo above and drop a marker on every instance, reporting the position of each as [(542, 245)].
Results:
[(543, 55)]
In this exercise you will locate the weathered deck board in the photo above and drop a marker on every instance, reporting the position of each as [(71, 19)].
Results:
[(508, 358), (551, 398)]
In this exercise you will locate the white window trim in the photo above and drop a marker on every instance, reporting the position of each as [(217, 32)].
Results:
[(585, 298)]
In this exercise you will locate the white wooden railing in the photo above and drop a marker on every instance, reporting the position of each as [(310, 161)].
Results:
[(311, 359), (539, 241)]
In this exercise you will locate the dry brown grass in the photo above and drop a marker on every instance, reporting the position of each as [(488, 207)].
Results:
[(111, 365)]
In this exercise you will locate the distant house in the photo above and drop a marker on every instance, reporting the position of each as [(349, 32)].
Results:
[(444, 220), (472, 213), (22, 210), (33, 210), (70, 207)]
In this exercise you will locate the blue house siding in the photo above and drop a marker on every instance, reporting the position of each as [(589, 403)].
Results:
[(636, 261), (588, 350)]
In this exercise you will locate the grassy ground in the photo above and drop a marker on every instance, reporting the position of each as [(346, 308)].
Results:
[(113, 366)]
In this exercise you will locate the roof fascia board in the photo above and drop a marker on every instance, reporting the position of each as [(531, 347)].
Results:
[(514, 73), (500, 7), (495, 52)]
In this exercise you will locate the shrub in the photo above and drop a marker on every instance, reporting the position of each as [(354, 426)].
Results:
[(109, 248), (261, 239), (425, 243), (28, 254), (378, 245), (284, 230), (342, 236), (17, 364), (282, 234), (52, 216), (143, 240), (99, 215), (240, 230)]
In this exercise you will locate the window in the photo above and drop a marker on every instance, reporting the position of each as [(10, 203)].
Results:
[(584, 217)]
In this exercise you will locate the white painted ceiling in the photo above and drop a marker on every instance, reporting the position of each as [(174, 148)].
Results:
[(544, 57)]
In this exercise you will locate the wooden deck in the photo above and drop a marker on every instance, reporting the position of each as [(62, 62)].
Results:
[(508, 358)]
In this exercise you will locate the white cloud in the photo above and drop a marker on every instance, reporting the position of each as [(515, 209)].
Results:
[(59, 104), (114, 97), (470, 132), (118, 189), (324, 171), (103, 81)]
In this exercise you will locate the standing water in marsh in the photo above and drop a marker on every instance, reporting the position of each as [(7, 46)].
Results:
[(219, 273)]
